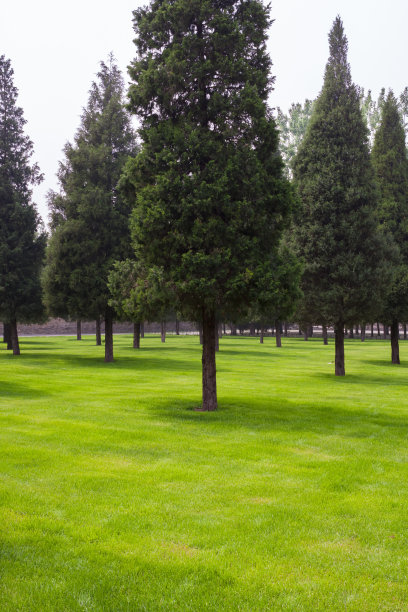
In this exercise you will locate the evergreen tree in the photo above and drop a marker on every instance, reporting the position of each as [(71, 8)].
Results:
[(89, 217), (390, 161), (337, 231), (22, 238), (208, 190)]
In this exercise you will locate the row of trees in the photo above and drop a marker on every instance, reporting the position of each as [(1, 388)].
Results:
[(201, 218)]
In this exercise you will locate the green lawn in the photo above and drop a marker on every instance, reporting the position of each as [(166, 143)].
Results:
[(116, 495)]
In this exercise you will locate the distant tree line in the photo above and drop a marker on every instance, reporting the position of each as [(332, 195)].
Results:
[(199, 217)]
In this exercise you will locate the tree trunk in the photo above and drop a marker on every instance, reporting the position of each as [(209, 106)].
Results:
[(278, 334), (261, 335), (98, 332), (310, 331), (372, 330), (14, 338), (395, 342), (7, 335), (351, 332), (200, 333), (363, 332), (357, 330), (233, 329), (208, 361), (142, 329), (324, 333), (305, 334), (217, 339), (286, 329), (300, 330), (252, 329), (108, 336), (79, 330), (378, 331), (177, 328), (136, 335), (385, 331), (405, 331), (163, 331), (339, 355)]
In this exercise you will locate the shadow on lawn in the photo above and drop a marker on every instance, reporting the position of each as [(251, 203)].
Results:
[(277, 415), (14, 389)]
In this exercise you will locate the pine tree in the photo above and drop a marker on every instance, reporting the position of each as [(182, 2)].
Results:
[(337, 231), (22, 238), (89, 217), (390, 161), (208, 188)]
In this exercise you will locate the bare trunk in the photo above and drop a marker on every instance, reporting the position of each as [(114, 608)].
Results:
[(300, 330), (208, 360), (216, 339), (385, 331), (108, 336), (363, 332), (200, 333), (163, 331), (177, 327), (79, 330), (7, 335), (136, 335), (395, 342), (405, 331), (324, 332), (305, 334), (339, 355), (142, 329), (351, 332), (252, 329), (286, 329), (233, 329), (98, 332), (14, 338), (261, 336), (278, 334), (310, 331), (378, 330), (372, 330)]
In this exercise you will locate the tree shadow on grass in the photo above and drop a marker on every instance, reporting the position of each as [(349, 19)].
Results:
[(277, 415), (386, 363), (15, 389), (362, 379)]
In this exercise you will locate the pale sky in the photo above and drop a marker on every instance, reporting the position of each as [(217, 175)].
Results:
[(55, 49)]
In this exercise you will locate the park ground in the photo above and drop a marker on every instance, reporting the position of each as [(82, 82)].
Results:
[(116, 494)]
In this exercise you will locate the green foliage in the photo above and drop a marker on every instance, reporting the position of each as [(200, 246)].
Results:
[(292, 129), (22, 237), (336, 231), (210, 200), (138, 294), (389, 156), (89, 217)]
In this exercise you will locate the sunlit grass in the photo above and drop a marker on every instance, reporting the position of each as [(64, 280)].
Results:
[(117, 495)]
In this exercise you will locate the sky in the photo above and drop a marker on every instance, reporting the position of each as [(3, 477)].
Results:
[(55, 49)]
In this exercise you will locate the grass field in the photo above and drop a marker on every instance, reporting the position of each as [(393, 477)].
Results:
[(116, 495)]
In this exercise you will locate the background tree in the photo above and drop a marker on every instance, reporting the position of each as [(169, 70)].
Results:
[(209, 198), (336, 232), (89, 217), (22, 237), (292, 129), (390, 161)]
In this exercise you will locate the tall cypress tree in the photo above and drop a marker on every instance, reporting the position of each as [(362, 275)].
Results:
[(337, 230), (22, 238), (390, 161), (89, 217), (208, 189)]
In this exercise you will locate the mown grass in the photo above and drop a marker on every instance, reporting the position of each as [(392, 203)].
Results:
[(116, 495)]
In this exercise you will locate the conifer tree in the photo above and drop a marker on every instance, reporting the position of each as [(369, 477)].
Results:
[(89, 217), (22, 238), (337, 231), (208, 188), (390, 161)]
